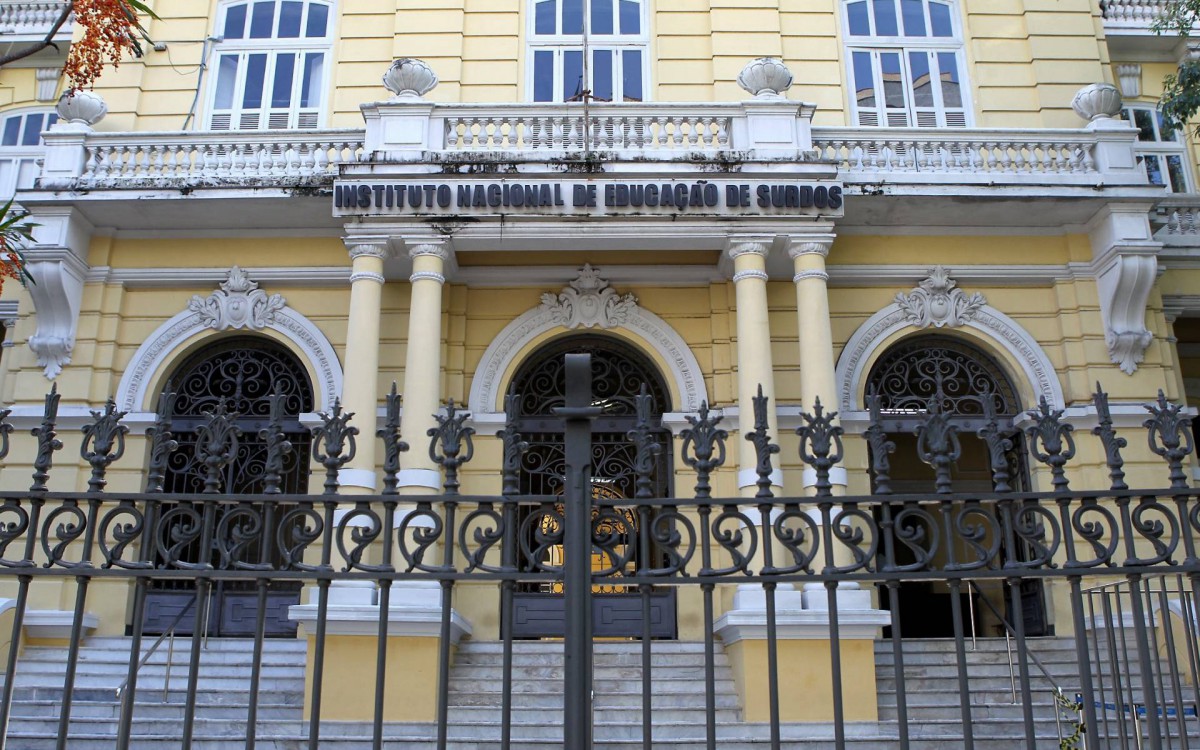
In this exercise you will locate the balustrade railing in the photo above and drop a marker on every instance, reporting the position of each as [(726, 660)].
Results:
[(658, 128), (1177, 218), (1138, 14), (217, 158), (1008, 537), (30, 18), (991, 154)]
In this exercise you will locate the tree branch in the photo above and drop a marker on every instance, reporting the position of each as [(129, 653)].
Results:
[(39, 46)]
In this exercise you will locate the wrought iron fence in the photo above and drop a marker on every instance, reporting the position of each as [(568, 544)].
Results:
[(1002, 537)]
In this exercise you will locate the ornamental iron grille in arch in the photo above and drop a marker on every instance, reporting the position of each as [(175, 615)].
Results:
[(619, 374), (956, 374), (245, 378)]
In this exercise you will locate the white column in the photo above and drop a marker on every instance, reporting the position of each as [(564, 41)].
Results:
[(423, 364), (755, 365), (360, 384)]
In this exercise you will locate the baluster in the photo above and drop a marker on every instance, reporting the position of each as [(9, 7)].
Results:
[(1109, 439), (880, 447), (722, 132), (937, 443), (1084, 160), (1058, 444), (106, 436), (448, 439), (676, 132), (334, 443), (451, 134), (1169, 435)]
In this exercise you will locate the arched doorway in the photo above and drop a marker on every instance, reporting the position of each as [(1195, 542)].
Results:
[(963, 380), (242, 372), (619, 373)]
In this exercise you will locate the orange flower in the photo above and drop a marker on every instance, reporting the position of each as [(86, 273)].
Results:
[(110, 30)]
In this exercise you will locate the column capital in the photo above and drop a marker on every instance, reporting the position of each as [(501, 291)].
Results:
[(359, 248), (749, 244), (438, 248), (814, 244)]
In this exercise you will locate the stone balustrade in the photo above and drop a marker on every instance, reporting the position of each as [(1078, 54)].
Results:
[(1135, 15), (929, 155), (20, 20), (1177, 220)]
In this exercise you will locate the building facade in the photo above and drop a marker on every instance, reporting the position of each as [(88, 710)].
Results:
[(968, 201)]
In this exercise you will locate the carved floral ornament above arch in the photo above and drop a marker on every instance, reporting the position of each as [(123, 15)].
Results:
[(937, 302), (586, 302), (238, 304)]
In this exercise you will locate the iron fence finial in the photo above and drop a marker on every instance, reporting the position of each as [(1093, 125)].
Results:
[(447, 442), (707, 445), (106, 436), (393, 446), (47, 441), (1110, 440), (1170, 436), (334, 443), (763, 447), (820, 444)]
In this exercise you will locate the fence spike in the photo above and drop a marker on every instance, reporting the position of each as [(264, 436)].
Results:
[(1174, 437), (1110, 440), (881, 447), (763, 447), (334, 443), (707, 445), (106, 436), (646, 448), (448, 439), (820, 444), (216, 444), (1058, 444), (393, 446), (998, 445), (937, 443), (162, 442), (278, 446), (47, 441)]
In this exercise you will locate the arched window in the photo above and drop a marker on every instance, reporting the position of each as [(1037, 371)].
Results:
[(619, 372), (270, 69), (906, 63), (618, 41), (21, 147), (242, 372)]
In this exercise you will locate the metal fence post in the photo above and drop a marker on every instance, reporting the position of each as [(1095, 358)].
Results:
[(577, 543)]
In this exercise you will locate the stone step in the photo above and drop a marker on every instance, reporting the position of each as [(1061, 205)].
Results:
[(625, 701), (631, 659), (473, 674), (148, 707)]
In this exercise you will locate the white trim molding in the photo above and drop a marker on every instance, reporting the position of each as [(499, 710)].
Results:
[(987, 323), (165, 343), (614, 312)]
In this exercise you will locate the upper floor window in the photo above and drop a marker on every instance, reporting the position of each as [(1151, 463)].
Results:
[(270, 70), (906, 63), (617, 41), (1160, 150), (21, 148)]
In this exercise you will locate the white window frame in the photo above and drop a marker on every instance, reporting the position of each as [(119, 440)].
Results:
[(903, 46), (560, 43), (1161, 148), (18, 162), (268, 117)]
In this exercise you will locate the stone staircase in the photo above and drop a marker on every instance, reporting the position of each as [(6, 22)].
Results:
[(678, 699)]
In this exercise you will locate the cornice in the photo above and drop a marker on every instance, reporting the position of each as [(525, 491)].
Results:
[(337, 276)]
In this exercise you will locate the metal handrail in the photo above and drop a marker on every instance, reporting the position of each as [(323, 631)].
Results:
[(1009, 633), (169, 633)]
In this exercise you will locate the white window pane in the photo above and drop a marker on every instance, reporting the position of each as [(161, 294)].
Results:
[(1175, 170), (602, 16), (543, 76), (951, 86), (885, 18), (281, 89), (631, 17), (893, 80), (922, 84), (262, 21), (1154, 169), (289, 19), (33, 129), (256, 69), (631, 75), (12, 131), (913, 12), (1143, 120), (602, 75), (226, 80), (864, 80), (310, 91), (318, 20), (545, 17), (572, 21), (857, 16), (939, 17), (235, 22), (572, 75)]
